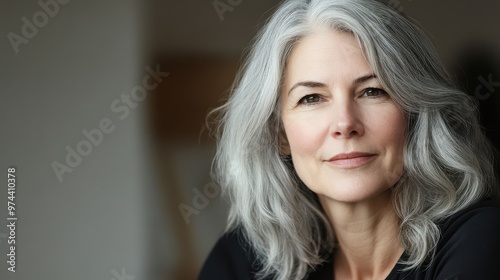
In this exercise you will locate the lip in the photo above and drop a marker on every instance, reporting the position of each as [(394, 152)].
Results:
[(351, 160)]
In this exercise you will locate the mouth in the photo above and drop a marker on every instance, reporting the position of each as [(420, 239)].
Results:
[(351, 160)]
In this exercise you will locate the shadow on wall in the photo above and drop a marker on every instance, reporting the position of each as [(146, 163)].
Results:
[(183, 153), (478, 73)]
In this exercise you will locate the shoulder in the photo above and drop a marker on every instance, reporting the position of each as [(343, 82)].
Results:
[(469, 247), (230, 258), (233, 258), (476, 211), (479, 220)]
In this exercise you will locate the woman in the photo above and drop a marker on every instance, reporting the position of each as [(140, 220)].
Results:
[(346, 152)]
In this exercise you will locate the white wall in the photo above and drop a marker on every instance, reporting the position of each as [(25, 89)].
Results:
[(93, 223)]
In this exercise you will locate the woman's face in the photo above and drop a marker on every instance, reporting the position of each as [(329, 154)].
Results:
[(344, 132)]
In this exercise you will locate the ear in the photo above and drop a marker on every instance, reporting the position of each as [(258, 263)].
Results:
[(284, 146)]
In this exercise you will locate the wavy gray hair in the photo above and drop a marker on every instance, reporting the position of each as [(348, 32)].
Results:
[(448, 161)]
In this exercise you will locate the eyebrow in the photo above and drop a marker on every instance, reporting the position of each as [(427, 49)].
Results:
[(313, 84)]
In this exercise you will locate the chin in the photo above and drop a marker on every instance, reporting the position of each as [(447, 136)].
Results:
[(353, 193)]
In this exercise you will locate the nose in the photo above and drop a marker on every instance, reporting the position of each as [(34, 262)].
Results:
[(346, 121)]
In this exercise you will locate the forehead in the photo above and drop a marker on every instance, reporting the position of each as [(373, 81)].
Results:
[(325, 55)]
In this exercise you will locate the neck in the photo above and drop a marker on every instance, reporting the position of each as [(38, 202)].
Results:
[(368, 236)]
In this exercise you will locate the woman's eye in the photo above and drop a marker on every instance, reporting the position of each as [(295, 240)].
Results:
[(310, 99), (374, 92)]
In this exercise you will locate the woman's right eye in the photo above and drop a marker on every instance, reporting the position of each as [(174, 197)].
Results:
[(310, 99)]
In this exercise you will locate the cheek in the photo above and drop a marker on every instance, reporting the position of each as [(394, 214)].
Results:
[(304, 136), (391, 134), (304, 141), (388, 126), (396, 131)]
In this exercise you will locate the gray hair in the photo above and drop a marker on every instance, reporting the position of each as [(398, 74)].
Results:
[(448, 161)]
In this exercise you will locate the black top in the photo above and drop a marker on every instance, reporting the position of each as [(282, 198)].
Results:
[(469, 248)]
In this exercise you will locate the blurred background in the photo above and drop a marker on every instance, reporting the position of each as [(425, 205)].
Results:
[(103, 112)]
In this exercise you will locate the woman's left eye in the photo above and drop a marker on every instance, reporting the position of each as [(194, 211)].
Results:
[(374, 92)]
